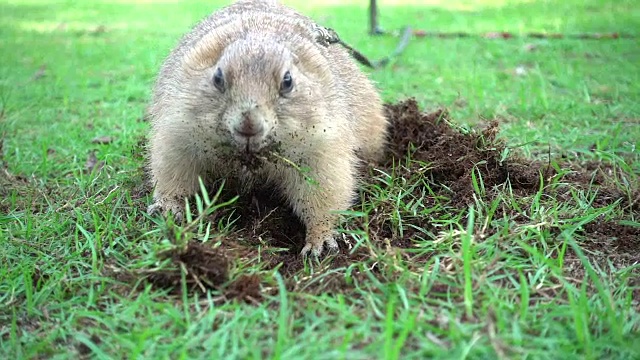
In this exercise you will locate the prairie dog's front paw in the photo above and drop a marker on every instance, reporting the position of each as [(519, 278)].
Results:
[(164, 207), (315, 244)]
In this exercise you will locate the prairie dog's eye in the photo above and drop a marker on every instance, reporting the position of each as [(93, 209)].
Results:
[(218, 80), (287, 84)]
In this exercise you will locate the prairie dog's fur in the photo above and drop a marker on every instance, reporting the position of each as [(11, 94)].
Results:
[(223, 95)]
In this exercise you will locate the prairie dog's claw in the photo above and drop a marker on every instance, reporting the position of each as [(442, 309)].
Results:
[(159, 207), (154, 209), (316, 247)]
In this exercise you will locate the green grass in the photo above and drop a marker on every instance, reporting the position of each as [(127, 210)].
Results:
[(479, 282)]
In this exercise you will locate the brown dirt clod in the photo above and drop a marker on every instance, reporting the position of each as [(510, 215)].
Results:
[(206, 267)]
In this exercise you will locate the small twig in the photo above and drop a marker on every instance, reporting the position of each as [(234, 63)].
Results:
[(197, 281), (265, 218)]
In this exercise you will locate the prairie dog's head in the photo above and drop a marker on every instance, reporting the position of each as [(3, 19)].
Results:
[(258, 94)]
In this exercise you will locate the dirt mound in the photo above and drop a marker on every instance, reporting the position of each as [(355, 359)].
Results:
[(450, 165), (452, 156)]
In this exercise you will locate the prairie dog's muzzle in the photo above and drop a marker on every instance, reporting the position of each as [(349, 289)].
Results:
[(249, 125), (249, 129)]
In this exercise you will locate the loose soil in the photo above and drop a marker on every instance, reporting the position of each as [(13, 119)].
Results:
[(443, 156)]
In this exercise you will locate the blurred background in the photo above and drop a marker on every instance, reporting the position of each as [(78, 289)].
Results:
[(89, 57)]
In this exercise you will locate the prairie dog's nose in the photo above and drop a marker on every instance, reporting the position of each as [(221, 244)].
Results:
[(249, 126)]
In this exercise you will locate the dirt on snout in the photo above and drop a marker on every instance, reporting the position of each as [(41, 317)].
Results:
[(456, 165)]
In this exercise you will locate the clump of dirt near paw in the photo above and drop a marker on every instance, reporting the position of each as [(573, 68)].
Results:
[(448, 158)]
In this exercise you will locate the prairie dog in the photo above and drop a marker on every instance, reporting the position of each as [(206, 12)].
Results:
[(250, 81)]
